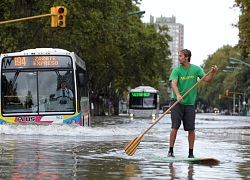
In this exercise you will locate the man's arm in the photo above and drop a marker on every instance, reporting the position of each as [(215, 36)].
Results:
[(209, 77), (175, 89)]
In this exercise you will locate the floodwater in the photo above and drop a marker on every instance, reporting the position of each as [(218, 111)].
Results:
[(72, 152)]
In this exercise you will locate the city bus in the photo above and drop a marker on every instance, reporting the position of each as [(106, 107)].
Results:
[(31, 82), (143, 102)]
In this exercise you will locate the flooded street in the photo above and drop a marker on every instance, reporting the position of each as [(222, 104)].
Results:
[(97, 152)]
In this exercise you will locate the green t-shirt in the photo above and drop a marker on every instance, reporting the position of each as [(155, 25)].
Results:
[(186, 78)]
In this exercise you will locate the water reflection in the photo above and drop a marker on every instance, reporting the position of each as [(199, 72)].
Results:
[(175, 174), (34, 159), (131, 170), (97, 152)]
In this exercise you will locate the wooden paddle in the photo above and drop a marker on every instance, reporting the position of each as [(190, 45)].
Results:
[(132, 145)]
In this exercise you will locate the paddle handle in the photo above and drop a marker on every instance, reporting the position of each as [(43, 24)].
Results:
[(171, 107)]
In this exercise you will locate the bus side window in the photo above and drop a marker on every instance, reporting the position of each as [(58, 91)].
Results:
[(82, 79), (155, 100)]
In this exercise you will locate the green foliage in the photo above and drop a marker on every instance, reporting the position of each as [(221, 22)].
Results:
[(244, 26), (236, 81), (119, 50)]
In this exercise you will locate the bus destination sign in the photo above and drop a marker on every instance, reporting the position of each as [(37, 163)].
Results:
[(36, 62), (140, 94)]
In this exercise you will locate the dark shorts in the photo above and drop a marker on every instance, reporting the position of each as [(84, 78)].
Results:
[(184, 113)]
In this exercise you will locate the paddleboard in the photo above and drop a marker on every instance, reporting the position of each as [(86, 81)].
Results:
[(205, 160)]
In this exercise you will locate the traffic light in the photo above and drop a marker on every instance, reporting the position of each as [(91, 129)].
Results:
[(227, 92), (58, 17), (61, 14), (220, 96), (53, 17)]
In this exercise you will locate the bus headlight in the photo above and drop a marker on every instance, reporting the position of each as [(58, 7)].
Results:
[(131, 116), (153, 117)]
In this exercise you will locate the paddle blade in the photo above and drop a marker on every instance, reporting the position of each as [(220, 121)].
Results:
[(132, 145)]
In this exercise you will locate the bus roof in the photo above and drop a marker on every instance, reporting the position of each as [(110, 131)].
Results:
[(41, 51), (144, 89)]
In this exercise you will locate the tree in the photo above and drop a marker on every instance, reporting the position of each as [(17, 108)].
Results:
[(244, 26), (119, 50), (209, 93)]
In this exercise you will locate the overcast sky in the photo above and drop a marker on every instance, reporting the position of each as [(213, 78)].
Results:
[(207, 23)]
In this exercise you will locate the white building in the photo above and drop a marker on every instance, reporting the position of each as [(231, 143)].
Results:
[(176, 30)]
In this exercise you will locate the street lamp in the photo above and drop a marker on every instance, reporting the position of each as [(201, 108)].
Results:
[(234, 61), (131, 13), (228, 70), (136, 12), (237, 61)]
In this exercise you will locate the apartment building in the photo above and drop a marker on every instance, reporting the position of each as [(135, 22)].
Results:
[(176, 30)]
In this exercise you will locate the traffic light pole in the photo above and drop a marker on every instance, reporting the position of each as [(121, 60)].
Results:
[(58, 17), (227, 96), (233, 104), (239, 61), (27, 18)]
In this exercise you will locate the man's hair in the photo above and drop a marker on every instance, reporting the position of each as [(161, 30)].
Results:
[(187, 53)]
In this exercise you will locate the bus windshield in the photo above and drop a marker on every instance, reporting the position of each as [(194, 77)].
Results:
[(44, 86), (37, 91), (142, 100)]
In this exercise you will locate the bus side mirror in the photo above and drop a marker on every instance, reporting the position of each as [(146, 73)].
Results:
[(82, 79)]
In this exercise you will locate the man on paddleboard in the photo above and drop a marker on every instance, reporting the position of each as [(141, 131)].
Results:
[(182, 78)]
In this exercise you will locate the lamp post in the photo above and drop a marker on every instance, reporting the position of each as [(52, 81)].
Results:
[(132, 13), (136, 12), (239, 61)]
